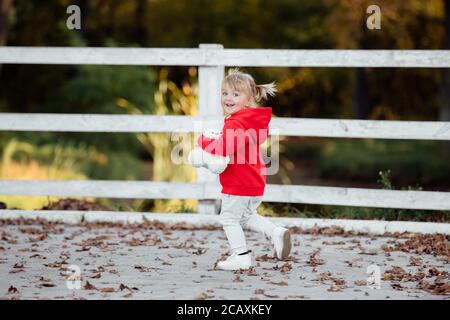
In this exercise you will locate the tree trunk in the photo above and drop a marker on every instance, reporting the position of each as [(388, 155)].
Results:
[(5, 8), (444, 110), (361, 109), (360, 99), (139, 32)]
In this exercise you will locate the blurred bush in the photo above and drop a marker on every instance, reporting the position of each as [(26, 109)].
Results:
[(22, 160), (410, 162)]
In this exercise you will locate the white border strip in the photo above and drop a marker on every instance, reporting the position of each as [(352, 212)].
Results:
[(373, 227)]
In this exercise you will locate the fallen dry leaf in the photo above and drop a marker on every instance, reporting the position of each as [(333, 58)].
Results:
[(47, 284), (281, 283), (38, 238), (204, 296), (360, 282), (89, 286), (12, 289), (334, 288), (261, 291), (415, 261), (265, 258), (237, 278), (313, 261)]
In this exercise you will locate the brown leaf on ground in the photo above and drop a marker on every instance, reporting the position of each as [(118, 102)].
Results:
[(435, 244), (324, 276), (265, 258), (334, 288), (12, 289), (107, 290), (331, 230), (151, 241), (199, 251), (313, 261), (441, 286), (204, 296), (96, 276), (40, 237), (123, 287), (369, 251), (333, 243), (291, 258), (96, 241), (415, 261), (262, 292), (89, 286), (339, 282), (83, 248), (397, 286), (249, 272), (353, 264), (281, 283), (237, 278), (285, 268), (44, 279), (360, 282), (142, 268), (433, 271), (17, 270), (30, 230), (184, 245), (399, 274), (48, 284)]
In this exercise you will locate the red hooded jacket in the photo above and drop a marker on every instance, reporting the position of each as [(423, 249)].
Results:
[(242, 133)]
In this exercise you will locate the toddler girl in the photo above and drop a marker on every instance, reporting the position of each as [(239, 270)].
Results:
[(244, 179)]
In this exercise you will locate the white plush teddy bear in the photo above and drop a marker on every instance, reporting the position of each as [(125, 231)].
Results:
[(200, 158)]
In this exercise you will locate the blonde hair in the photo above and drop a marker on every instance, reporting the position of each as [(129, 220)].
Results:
[(241, 81)]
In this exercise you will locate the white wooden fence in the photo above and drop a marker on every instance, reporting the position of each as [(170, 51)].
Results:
[(211, 60)]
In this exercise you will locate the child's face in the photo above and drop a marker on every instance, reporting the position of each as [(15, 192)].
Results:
[(234, 100)]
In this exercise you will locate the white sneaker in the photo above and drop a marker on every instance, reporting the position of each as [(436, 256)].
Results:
[(281, 239), (236, 262)]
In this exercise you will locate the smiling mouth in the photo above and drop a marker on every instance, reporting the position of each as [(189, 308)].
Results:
[(228, 105)]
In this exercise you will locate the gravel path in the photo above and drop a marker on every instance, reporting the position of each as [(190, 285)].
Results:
[(162, 263)]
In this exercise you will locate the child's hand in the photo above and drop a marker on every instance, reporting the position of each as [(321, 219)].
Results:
[(200, 158)]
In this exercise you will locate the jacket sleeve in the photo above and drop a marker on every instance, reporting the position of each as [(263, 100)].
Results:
[(234, 137)]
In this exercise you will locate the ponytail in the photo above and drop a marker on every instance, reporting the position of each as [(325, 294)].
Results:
[(263, 91)]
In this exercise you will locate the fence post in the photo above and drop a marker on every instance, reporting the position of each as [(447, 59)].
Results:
[(209, 81)]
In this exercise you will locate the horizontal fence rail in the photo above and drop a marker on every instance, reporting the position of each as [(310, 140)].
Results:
[(211, 60), (382, 129), (359, 197), (226, 57)]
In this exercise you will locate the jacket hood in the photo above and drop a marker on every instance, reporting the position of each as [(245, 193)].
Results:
[(254, 118)]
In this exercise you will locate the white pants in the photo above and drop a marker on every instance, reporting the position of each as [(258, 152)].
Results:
[(240, 211)]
